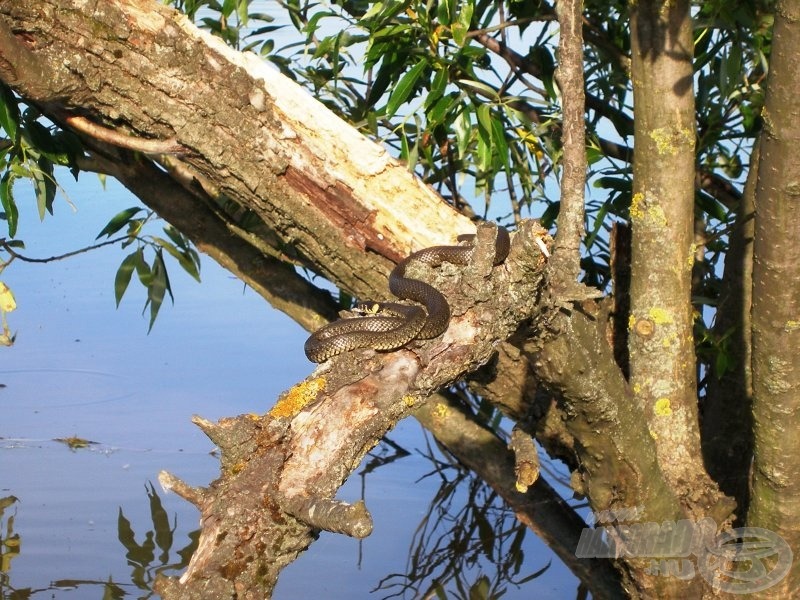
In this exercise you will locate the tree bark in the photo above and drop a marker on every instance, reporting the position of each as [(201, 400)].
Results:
[(661, 345), (776, 301)]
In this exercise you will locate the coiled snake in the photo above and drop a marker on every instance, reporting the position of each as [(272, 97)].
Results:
[(393, 325)]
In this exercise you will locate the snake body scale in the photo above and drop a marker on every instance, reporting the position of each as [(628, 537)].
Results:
[(393, 325)]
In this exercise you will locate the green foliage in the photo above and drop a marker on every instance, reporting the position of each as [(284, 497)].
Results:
[(31, 149), (152, 275)]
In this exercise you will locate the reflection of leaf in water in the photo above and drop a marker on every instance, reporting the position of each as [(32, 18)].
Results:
[(6, 502), (74, 442), (10, 542), (10, 547), (142, 557), (160, 524), (111, 591)]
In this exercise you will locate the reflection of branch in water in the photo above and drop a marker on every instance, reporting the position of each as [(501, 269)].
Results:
[(386, 452), (383, 457), (467, 532)]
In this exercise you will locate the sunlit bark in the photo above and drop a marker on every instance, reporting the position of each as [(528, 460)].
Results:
[(774, 503), (662, 364)]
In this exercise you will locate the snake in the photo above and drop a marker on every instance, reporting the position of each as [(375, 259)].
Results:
[(392, 325)]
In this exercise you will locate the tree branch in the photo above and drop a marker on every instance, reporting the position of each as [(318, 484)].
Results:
[(565, 265), (662, 365), (776, 302)]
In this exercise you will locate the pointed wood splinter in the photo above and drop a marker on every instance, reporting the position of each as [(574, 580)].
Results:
[(170, 483)]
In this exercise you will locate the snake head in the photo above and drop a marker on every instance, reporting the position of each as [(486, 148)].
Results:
[(367, 308)]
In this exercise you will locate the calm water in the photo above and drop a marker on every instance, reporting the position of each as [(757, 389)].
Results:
[(82, 368)]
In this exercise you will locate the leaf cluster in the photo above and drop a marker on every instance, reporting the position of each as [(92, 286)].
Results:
[(29, 150), (152, 275)]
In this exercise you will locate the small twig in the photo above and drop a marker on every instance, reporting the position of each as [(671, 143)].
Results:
[(190, 493), (330, 514), (507, 24), (14, 254), (526, 459), (116, 138)]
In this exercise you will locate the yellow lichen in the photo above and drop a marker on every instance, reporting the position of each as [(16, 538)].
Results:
[(663, 408), (663, 140), (669, 340), (791, 325), (691, 257), (440, 411), (660, 316), (636, 210), (656, 215), (642, 210), (631, 322), (671, 141), (293, 401)]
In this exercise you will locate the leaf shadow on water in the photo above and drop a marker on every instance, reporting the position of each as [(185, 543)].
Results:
[(154, 555)]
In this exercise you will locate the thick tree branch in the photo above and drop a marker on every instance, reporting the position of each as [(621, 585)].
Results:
[(662, 251), (776, 301)]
